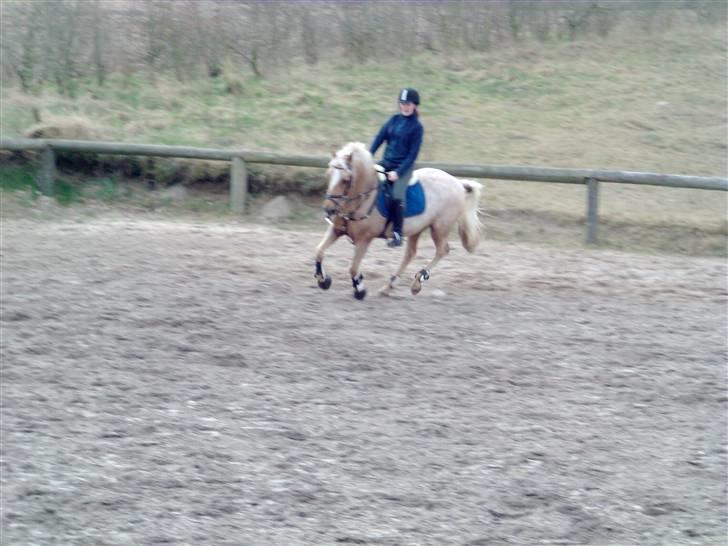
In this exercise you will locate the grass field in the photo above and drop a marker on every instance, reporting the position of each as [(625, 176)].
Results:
[(630, 102)]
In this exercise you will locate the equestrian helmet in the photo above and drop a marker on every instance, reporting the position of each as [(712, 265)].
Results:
[(409, 95)]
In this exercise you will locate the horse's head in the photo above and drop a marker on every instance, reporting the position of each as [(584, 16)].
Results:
[(349, 171), (339, 176)]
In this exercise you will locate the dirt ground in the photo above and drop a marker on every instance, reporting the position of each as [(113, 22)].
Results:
[(177, 382)]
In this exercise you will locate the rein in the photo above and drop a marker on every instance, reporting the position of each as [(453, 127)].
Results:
[(343, 199)]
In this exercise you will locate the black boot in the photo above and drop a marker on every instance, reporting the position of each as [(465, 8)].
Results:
[(397, 214)]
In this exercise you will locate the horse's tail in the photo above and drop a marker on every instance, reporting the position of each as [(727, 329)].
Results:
[(469, 225)]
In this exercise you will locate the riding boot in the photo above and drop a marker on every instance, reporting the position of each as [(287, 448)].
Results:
[(397, 214)]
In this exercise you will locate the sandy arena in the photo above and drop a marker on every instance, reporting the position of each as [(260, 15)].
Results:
[(169, 382)]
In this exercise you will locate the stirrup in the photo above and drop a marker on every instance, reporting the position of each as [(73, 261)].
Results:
[(395, 241)]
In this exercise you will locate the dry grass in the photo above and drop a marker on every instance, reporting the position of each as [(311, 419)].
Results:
[(631, 102)]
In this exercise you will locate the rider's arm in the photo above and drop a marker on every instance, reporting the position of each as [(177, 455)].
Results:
[(413, 151), (379, 139)]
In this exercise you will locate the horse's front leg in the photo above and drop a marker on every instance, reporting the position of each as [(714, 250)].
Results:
[(324, 281), (357, 279)]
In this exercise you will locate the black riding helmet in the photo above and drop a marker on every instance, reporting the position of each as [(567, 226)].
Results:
[(409, 95)]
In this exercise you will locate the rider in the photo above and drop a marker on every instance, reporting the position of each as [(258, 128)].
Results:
[(403, 134)]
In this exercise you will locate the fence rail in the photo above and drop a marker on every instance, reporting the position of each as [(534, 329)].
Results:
[(240, 157)]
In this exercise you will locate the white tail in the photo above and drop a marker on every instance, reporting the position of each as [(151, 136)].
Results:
[(469, 225)]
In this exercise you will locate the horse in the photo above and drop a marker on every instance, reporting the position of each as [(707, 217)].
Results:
[(350, 207)]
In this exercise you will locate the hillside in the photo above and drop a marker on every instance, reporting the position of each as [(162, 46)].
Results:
[(627, 102)]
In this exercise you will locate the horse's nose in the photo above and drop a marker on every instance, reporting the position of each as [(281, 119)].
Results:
[(329, 207)]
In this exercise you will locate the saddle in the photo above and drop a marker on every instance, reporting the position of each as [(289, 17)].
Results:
[(414, 201)]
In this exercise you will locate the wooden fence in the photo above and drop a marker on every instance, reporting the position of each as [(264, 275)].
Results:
[(239, 179)]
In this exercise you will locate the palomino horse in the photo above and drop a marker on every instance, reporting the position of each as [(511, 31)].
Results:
[(350, 207)]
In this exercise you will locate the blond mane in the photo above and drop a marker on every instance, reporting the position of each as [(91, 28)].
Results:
[(362, 168), (355, 157), (351, 148)]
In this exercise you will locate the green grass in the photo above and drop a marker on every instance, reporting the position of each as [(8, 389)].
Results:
[(107, 190), (87, 195), (22, 179), (634, 102), (557, 93), (15, 178), (66, 192)]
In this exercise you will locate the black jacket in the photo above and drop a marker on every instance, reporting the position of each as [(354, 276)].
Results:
[(403, 135)]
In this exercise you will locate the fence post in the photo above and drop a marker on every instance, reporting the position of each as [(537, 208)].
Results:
[(592, 211), (238, 185), (47, 172)]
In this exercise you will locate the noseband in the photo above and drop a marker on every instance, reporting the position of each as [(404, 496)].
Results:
[(342, 200)]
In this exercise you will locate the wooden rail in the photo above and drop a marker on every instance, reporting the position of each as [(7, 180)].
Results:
[(240, 157)]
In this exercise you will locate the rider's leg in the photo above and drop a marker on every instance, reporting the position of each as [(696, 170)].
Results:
[(399, 193)]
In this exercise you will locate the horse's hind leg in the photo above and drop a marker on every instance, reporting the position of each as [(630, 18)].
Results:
[(439, 237), (409, 253), (324, 281)]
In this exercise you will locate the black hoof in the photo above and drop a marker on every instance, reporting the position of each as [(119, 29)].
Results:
[(325, 284), (360, 295)]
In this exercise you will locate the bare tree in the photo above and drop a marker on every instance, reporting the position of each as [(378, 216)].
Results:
[(99, 43), (20, 41), (177, 37), (152, 37), (357, 30), (62, 20), (248, 33), (207, 21), (63, 40), (309, 34)]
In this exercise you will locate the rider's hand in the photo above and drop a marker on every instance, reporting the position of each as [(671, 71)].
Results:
[(392, 176)]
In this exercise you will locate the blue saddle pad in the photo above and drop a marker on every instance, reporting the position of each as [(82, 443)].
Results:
[(415, 201)]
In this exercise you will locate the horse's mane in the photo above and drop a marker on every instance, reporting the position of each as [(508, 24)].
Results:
[(355, 149), (359, 159)]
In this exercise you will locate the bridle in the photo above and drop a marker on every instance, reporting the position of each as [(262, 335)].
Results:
[(342, 200)]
